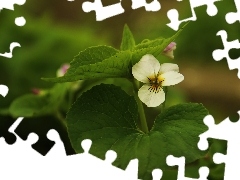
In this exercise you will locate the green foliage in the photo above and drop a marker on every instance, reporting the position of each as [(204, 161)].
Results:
[(115, 65), (128, 42), (45, 45), (108, 116), (31, 105), (109, 63), (91, 55)]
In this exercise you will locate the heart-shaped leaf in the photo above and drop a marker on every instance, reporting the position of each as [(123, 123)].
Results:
[(108, 116)]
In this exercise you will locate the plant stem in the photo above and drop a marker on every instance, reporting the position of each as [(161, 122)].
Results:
[(62, 120), (143, 120), (164, 103)]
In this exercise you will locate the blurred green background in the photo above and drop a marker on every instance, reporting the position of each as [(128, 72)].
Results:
[(56, 31)]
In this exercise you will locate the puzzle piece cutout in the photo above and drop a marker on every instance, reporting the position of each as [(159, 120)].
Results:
[(225, 130), (180, 162), (232, 17), (3, 90), (20, 146), (9, 4), (12, 46), (219, 54), (19, 21), (41, 126), (153, 6), (13, 157), (116, 9), (173, 14), (10, 138), (157, 174), (101, 11), (56, 164), (23, 160)]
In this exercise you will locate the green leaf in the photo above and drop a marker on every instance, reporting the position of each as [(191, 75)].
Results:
[(128, 41), (154, 47), (31, 105), (115, 66), (90, 55), (107, 62), (108, 116)]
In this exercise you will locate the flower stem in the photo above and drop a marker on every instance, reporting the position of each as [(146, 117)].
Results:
[(143, 120), (62, 120), (164, 103)]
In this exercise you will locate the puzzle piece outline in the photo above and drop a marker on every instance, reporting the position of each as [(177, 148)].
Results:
[(21, 152), (217, 157), (104, 12), (180, 162), (13, 45), (173, 14), (233, 148), (220, 54), (232, 17), (10, 4)]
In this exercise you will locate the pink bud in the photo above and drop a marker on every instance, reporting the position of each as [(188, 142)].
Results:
[(39, 92), (168, 51), (35, 91), (63, 69)]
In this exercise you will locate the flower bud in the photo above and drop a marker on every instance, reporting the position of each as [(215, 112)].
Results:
[(63, 69), (37, 91), (168, 51)]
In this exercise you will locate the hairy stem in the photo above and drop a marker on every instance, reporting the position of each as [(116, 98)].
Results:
[(143, 120)]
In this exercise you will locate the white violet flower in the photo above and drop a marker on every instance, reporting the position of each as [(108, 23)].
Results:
[(149, 71)]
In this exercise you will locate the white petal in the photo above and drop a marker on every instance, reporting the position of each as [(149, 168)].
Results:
[(171, 78), (168, 67), (151, 99), (146, 67)]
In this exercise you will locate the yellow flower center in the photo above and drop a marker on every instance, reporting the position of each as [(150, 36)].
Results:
[(155, 82)]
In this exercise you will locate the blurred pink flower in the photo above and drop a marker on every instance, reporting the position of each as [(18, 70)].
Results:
[(37, 91)]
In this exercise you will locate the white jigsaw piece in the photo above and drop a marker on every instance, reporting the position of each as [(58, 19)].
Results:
[(173, 14), (21, 158), (12, 46), (157, 174), (219, 54), (232, 17), (102, 168), (21, 146), (180, 162), (13, 157), (153, 6), (9, 4), (229, 131), (3, 90), (101, 11)]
